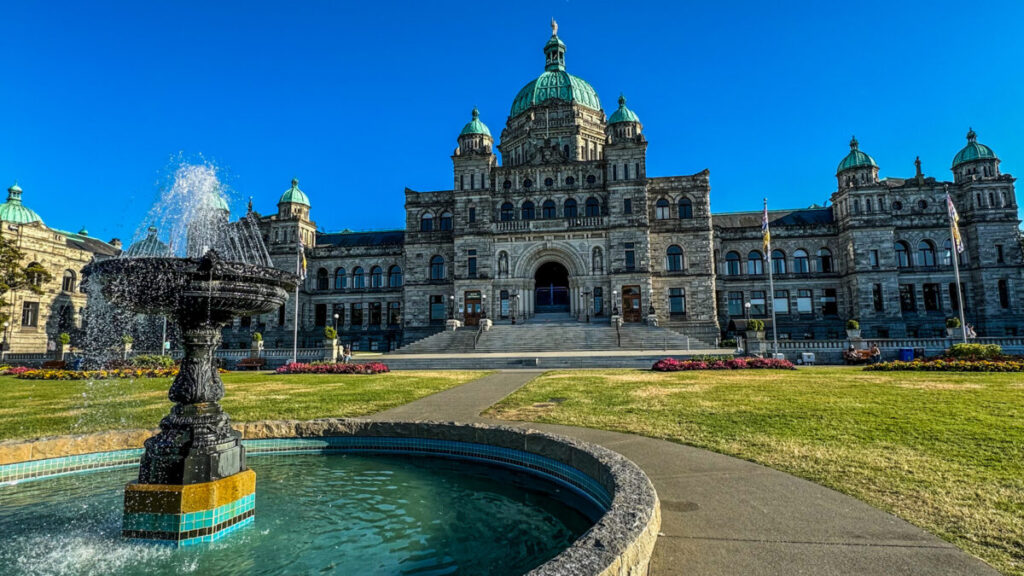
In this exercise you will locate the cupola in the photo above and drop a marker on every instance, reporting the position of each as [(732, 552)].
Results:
[(14, 211), (624, 125), (857, 168), (975, 161), (475, 137), (293, 203)]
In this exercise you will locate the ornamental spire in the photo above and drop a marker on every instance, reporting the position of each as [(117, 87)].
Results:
[(972, 136), (853, 143), (554, 27), (554, 51)]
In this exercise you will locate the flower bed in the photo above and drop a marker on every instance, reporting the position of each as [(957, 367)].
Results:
[(673, 365), (333, 368), (951, 365), (23, 373)]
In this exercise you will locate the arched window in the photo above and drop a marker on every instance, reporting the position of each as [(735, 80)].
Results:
[(902, 254), (340, 281), (446, 221), (755, 263), (529, 213), (685, 208), (507, 212), (661, 209), (358, 279), (801, 264), (437, 268), (427, 222), (926, 253), (732, 264), (68, 284), (825, 260), (548, 209), (674, 258), (778, 262), (395, 276), (593, 207), (569, 208), (322, 282), (597, 261), (376, 277)]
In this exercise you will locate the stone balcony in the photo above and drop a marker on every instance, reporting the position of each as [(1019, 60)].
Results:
[(549, 225)]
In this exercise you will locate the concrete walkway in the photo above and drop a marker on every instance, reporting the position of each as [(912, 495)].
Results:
[(724, 516)]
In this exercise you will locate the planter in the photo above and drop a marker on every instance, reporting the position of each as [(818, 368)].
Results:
[(755, 334), (853, 334), (331, 350), (955, 332)]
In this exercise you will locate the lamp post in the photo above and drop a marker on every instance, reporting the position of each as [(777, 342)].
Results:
[(336, 316), (746, 310), (615, 302), (483, 306), (4, 346), (451, 307), (515, 305), (650, 299)]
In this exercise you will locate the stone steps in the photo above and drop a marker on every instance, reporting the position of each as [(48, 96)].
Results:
[(460, 340)]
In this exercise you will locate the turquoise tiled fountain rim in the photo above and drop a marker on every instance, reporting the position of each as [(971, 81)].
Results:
[(542, 466)]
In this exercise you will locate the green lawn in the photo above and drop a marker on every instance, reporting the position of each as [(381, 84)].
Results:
[(33, 408), (943, 451)]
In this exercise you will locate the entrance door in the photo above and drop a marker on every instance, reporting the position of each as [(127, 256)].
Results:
[(472, 315), (631, 307), (552, 288)]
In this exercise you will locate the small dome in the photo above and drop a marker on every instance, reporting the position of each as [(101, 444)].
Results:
[(973, 151), (475, 126), (83, 232), (623, 114), (855, 158), (293, 195), (14, 211), (216, 200)]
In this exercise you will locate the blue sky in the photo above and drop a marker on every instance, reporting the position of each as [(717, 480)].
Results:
[(360, 100)]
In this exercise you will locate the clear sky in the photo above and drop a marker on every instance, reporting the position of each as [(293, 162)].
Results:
[(361, 99)]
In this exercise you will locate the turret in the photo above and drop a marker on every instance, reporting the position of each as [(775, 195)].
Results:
[(975, 161), (857, 168)]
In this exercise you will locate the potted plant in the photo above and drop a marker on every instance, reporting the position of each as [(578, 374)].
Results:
[(331, 343), (126, 343), (852, 329), (63, 340), (755, 330), (257, 343), (953, 327)]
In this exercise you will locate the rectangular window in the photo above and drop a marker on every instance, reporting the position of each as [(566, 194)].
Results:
[(999, 254), (636, 170), (437, 312), (873, 258), (339, 311), (735, 303), (627, 206), (462, 181), (804, 301), (907, 301), (932, 297), (625, 171), (280, 315), (954, 299), (320, 315), (30, 314), (394, 313), (1004, 294), (471, 266), (472, 214), (877, 298), (781, 302), (758, 304), (630, 260), (375, 314), (677, 301), (357, 314), (829, 304)]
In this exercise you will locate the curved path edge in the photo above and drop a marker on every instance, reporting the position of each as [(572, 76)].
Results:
[(724, 516)]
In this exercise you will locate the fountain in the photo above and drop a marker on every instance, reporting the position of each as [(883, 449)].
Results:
[(196, 463)]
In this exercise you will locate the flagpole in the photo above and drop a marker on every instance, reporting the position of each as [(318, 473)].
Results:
[(771, 285), (954, 254), (295, 333)]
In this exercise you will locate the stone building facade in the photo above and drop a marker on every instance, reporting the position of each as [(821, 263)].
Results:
[(569, 222), (37, 319)]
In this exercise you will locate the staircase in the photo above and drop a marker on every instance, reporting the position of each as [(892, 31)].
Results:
[(448, 342)]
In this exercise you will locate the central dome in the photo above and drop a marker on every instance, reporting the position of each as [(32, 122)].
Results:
[(555, 82)]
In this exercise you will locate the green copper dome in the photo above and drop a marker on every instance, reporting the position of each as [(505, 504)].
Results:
[(623, 114), (855, 158), (14, 211), (293, 195), (475, 126), (973, 151), (555, 82), (217, 201)]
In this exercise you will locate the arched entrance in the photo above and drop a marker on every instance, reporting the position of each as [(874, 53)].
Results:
[(552, 288)]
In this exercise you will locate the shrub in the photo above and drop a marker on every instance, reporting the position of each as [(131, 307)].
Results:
[(33, 374), (952, 322), (151, 361), (64, 338), (330, 333), (755, 325), (852, 324), (728, 343), (127, 339), (257, 337), (720, 363), (975, 351), (949, 365), (333, 368)]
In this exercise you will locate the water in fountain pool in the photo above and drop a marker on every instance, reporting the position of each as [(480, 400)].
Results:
[(340, 514)]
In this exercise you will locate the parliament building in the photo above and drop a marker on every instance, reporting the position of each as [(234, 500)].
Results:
[(570, 222)]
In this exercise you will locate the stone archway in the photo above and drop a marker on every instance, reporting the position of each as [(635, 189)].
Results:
[(551, 292)]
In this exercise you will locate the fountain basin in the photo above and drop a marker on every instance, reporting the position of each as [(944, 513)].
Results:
[(602, 485)]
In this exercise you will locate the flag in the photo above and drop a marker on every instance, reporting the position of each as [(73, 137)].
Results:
[(954, 224), (766, 235), (301, 263)]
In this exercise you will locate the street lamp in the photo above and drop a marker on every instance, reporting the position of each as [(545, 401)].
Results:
[(615, 302), (451, 307), (336, 316), (4, 346), (483, 306), (746, 309), (650, 299)]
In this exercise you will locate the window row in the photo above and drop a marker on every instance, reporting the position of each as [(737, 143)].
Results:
[(804, 304), (662, 208), (570, 209), (801, 262), (926, 254), (569, 181), (358, 278), (359, 314), (427, 224)]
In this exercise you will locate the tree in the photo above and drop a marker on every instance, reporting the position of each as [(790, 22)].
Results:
[(14, 275)]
